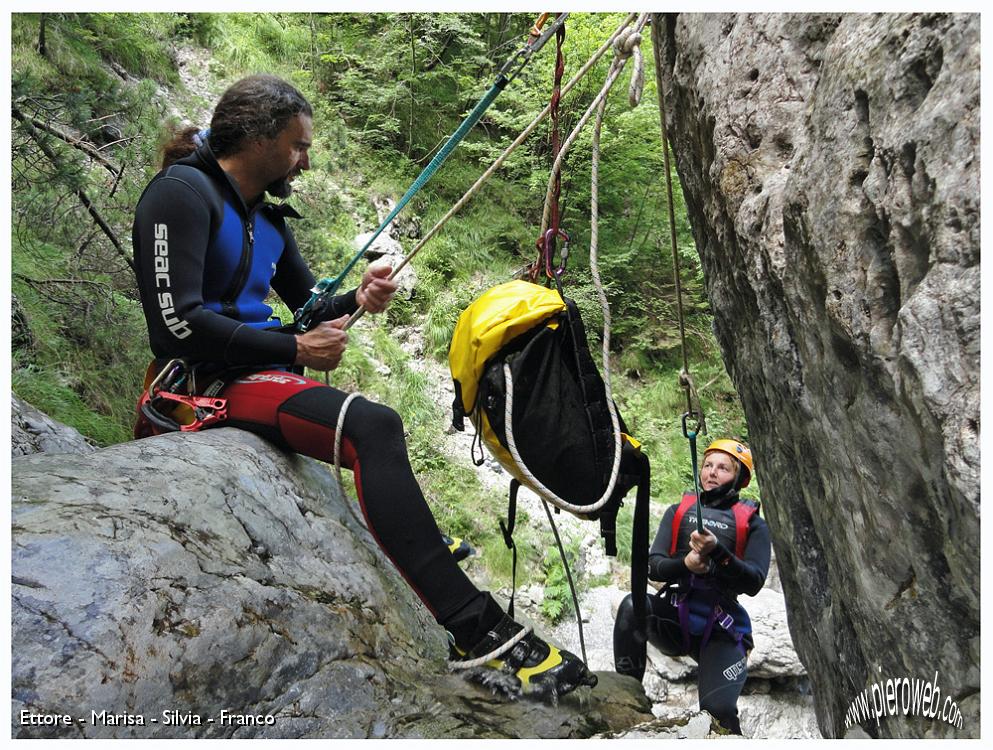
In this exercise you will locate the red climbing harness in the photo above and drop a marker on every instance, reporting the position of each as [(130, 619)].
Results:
[(743, 512), (706, 588)]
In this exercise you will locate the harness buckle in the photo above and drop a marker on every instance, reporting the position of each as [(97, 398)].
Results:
[(724, 619)]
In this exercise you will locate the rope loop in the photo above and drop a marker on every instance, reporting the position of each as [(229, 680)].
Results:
[(626, 45), (637, 85), (457, 665), (626, 42)]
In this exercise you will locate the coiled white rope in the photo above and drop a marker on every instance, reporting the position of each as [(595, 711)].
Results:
[(533, 482)]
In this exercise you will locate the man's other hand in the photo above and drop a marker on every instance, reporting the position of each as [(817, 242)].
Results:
[(321, 347), (376, 290)]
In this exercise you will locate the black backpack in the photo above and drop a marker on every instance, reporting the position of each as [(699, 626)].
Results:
[(525, 377)]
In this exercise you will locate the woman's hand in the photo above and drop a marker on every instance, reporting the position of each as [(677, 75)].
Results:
[(376, 290), (703, 543), (697, 563), (321, 347)]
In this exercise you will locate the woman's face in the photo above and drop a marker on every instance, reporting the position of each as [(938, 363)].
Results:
[(718, 468)]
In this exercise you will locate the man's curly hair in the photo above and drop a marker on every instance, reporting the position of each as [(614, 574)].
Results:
[(259, 106)]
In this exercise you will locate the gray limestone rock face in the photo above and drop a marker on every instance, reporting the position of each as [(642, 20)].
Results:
[(774, 655), (178, 577), (693, 725), (830, 168), (32, 431)]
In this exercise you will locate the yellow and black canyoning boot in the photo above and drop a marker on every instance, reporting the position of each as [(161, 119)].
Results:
[(460, 548), (512, 660)]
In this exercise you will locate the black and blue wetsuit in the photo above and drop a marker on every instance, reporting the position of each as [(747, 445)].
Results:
[(206, 262)]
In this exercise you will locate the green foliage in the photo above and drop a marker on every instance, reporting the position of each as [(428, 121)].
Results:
[(442, 317), (77, 43), (54, 393), (253, 42), (386, 90), (557, 602)]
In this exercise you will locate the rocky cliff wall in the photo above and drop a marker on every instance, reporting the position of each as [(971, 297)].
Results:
[(831, 171)]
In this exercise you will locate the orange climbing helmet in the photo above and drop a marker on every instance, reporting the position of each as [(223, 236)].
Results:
[(736, 450)]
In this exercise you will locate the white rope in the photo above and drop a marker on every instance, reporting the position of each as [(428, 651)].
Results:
[(637, 85), (502, 158), (533, 481), (594, 240), (498, 651), (631, 41), (338, 432), (624, 44)]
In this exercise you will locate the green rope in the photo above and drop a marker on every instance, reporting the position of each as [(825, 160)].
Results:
[(327, 288), (696, 481)]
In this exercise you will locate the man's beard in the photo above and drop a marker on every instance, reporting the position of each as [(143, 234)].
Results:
[(280, 188)]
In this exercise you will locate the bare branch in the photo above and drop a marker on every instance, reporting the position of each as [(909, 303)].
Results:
[(40, 282), (83, 198), (106, 117), (83, 146), (119, 140), (117, 181)]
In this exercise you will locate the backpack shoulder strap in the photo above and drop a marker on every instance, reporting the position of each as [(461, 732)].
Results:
[(743, 511), (593, 389), (688, 501)]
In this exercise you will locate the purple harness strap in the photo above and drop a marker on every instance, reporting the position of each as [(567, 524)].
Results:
[(717, 614)]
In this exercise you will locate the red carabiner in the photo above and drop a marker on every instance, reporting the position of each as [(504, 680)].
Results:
[(206, 410), (549, 251)]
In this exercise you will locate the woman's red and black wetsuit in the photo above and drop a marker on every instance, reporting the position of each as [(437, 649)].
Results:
[(205, 263)]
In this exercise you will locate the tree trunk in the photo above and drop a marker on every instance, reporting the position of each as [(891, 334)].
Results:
[(42, 49)]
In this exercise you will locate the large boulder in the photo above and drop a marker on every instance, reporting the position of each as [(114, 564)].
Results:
[(183, 576), (830, 168)]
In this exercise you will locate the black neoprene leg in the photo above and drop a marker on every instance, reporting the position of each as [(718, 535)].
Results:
[(723, 670), (303, 415), (398, 513), (722, 666)]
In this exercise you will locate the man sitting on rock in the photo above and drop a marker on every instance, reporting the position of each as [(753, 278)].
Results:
[(207, 250)]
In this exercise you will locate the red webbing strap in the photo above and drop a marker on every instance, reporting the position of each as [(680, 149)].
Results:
[(556, 138), (688, 501), (743, 513), (544, 247)]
